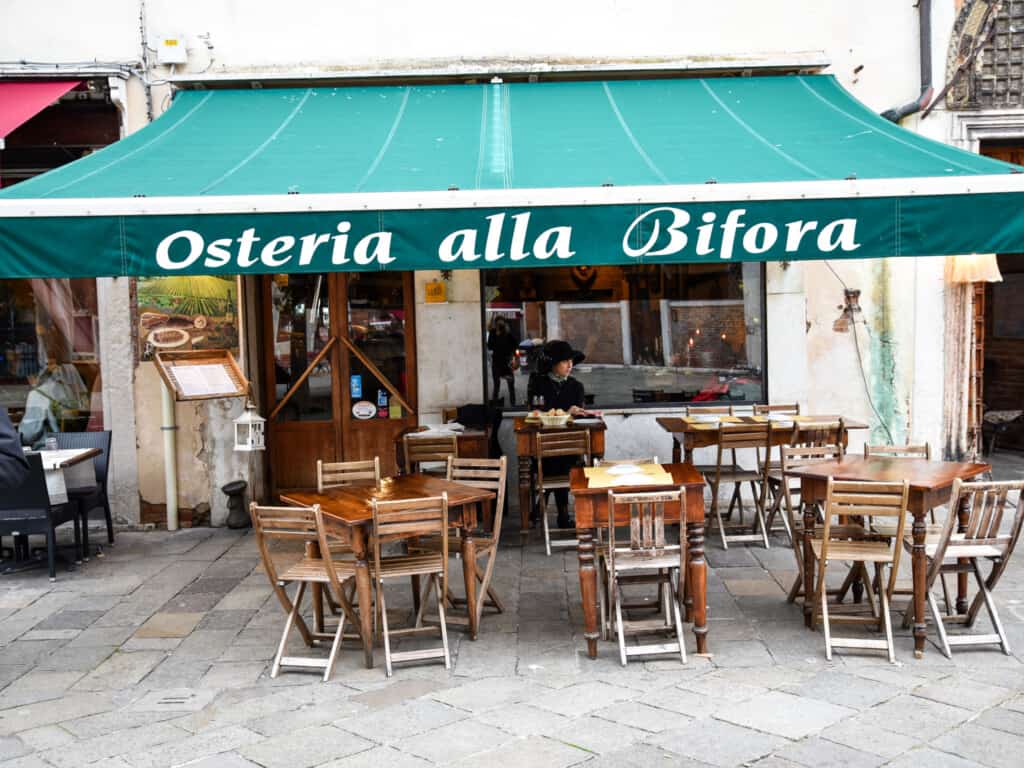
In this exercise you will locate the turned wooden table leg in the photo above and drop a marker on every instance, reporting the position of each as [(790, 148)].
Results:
[(588, 589), (697, 583), (676, 453), (963, 512), (469, 576), (919, 565), (684, 573), (809, 521), (364, 592), (525, 496)]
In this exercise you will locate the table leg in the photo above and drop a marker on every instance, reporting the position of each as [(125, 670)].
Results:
[(698, 583), (809, 521), (684, 574), (676, 453), (364, 593), (689, 453), (469, 576), (588, 589), (919, 564), (525, 496), (963, 515)]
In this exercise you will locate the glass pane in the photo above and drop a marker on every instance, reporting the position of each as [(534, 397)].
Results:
[(301, 328), (650, 333), (376, 324), (49, 366)]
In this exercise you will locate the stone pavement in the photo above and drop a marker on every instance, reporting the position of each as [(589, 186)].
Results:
[(157, 654)]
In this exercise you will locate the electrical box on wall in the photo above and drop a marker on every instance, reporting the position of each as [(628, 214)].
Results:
[(171, 50)]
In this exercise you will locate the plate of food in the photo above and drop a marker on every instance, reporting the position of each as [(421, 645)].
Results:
[(705, 418), (554, 417), (624, 469)]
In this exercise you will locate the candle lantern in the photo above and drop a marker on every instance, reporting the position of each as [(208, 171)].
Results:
[(250, 430)]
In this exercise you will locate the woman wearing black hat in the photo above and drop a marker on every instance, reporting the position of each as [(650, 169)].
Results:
[(556, 388)]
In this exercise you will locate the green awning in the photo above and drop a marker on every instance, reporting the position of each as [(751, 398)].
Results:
[(520, 175)]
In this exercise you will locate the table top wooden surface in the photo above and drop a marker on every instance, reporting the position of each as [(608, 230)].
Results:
[(678, 424), (592, 424), (683, 475), (67, 457), (922, 474), (352, 504)]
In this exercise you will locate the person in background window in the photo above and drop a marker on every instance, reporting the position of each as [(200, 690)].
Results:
[(557, 388), (13, 466), (503, 345)]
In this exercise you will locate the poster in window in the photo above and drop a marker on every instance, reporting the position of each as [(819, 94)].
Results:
[(186, 312), (1008, 307)]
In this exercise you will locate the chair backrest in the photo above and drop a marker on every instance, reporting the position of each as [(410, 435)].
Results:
[(570, 442), (284, 523), (101, 440), (490, 474), (829, 432), (646, 521), (898, 451), (799, 455), (421, 449), (735, 436), (764, 409), (697, 410), (408, 518), (867, 500), (30, 500), (985, 505), (338, 474)]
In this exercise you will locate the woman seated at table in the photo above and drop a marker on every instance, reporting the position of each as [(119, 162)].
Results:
[(554, 387)]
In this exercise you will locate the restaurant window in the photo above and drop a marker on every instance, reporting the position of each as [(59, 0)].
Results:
[(49, 356), (674, 333)]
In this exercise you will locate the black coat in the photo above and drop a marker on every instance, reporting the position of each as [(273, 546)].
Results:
[(556, 395), (503, 347), (13, 464)]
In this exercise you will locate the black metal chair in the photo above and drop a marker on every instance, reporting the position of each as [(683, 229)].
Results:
[(95, 498), (27, 510)]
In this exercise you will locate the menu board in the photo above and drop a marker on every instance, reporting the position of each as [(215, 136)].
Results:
[(204, 380), (201, 374)]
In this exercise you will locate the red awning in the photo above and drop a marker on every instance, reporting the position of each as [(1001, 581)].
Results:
[(22, 101)]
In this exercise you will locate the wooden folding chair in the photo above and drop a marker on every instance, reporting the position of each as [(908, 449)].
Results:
[(647, 553), (765, 409), (399, 521), (338, 474), (491, 474), (954, 551), (866, 500), (728, 471), (299, 524), (570, 443), (428, 450)]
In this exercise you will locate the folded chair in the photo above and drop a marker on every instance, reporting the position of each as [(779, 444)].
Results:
[(490, 474), (428, 450), (953, 551), (646, 552), (302, 526), (572, 443), (399, 521), (866, 500), (727, 471)]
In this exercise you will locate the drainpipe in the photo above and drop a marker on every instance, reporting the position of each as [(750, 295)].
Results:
[(170, 428), (924, 14)]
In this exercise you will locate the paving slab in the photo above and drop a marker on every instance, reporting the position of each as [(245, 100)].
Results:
[(534, 752), (717, 742), (378, 757), (390, 725), (451, 743), (169, 625), (933, 759), (582, 698), (816, 752), (785, 714), (305, 748), (997, 749)]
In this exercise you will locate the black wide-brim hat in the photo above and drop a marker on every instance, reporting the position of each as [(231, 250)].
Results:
[(557, 350)]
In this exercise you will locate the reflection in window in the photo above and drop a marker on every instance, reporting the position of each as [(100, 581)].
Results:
[(651, 333), (376, 323), (49, 365), (301, 329)]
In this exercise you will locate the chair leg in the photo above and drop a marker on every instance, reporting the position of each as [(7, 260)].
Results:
[(444, 626), (823, 602), (110, 521), (422, 607), (77, 525), (602, 601), (547, 531), (986, 593), (718, 517), (383, 612), (680, 637), (794, 591), (618, 622), (484, 591), (276, 667), (883, 597), (335, 646), (51, 552), (759, 514), (940, 626), (85, 534)]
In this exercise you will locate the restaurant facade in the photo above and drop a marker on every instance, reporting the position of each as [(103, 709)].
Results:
[(704, 223)]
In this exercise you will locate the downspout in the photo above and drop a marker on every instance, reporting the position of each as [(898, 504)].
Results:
[(170, 430), (924, 14)]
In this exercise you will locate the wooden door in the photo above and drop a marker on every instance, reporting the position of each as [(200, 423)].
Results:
[(320, 330)]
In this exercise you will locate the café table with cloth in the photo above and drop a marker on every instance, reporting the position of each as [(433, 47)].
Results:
[(348, 511), (931, 483), (590, 486)]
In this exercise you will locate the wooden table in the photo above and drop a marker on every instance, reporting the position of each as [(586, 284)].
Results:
[(349, 512), (689, 436), (930, 485), (526, 451), (592, 513)]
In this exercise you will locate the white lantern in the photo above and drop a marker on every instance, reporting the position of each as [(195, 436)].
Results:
[(249, 430)]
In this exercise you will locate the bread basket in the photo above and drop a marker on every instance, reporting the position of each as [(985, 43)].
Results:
[(554, 421)]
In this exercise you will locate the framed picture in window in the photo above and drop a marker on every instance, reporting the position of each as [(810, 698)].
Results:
[(1008, 307)]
